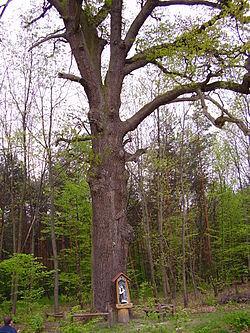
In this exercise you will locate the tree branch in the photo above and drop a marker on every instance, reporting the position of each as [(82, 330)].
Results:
[(204, 108), (102, 14), (57, 4), (3, 8), (188, 3), (134, 157), (220, 121), (157, 52), (70, 77), (172, 97), (49, 37), (75, 139), (165, 71), (45, 9), (138, 23), (147, 9)]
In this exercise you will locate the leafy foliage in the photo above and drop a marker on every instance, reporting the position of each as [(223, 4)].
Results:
[(30, 273)]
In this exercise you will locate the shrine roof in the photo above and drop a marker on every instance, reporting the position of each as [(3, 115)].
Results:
[(118, 275)]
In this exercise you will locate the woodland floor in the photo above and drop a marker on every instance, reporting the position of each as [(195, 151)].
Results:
[(208, 319), (203, 319), (202, 316)]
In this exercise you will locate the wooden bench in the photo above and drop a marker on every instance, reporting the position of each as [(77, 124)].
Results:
[(162, 310), (86, 315), (62, 315), (59, 315)]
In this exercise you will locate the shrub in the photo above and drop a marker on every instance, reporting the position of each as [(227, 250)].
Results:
[(240, 320), (36, 322)]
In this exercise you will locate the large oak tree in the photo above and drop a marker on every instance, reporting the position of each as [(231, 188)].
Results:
[(196, 60)]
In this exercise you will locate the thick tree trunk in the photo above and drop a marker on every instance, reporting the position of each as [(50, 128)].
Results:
[(111, 231)]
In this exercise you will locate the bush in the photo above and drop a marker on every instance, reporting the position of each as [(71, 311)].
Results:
[(80, 328), (240, 320), (30, 273), (72, 328), (36, 322)]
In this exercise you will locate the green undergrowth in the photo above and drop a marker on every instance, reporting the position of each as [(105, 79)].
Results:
[(230, 318), (221, 321)]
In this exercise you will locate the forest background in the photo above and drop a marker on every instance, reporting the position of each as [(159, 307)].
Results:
[(188, 198)]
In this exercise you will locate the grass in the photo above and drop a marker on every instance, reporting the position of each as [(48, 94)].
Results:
[(224, 320), (220, 322)]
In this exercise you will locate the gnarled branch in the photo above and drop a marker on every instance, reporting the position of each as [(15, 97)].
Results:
[(75, 139), (173, 95), (71, 77), (54, 35), (221, 120), (229, 119), (134, 157)]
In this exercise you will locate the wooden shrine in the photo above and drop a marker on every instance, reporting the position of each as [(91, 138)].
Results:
[(123, 301)]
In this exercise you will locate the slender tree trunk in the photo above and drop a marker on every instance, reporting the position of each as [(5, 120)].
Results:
[(244, 201), (170, 256), (209, 250), (12, 200), (1, 232), (64, 258), (132, 260), (192, 266), (47, 136), (21, 206), (165, 284), (53, 235), (146, 233), (13, 279), (185, 295), (247, 222), (78, 265), (47, 262), (145, 222), (171, 268), (142, 253)]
